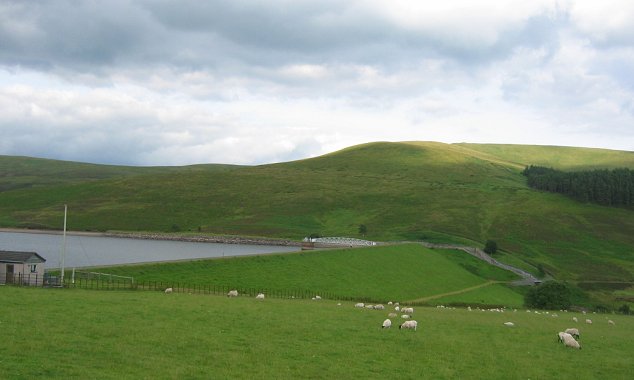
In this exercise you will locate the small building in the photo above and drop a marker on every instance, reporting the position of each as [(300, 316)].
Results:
[(24, 268)]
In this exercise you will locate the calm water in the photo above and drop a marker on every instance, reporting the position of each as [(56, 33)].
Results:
[(83, 251)]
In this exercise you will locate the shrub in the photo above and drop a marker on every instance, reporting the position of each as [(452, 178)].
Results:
[(549, 295), (490, 247)]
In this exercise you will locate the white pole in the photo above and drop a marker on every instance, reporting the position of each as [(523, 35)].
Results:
[(64, 246)]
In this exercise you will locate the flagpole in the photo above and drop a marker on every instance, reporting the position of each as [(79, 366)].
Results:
[(64, 247)]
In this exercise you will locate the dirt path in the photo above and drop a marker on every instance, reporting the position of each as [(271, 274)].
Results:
[(456, 292), (527, 278)]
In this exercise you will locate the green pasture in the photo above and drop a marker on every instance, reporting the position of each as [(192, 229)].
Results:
[(397, 272), (66, 333)]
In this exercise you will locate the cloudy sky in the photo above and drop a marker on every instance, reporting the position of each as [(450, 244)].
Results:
[(248, 82)]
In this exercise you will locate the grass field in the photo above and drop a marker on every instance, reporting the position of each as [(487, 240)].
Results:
[(63, 333), (398, 272)]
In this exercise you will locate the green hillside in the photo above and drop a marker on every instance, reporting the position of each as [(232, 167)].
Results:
[(562, 158), (400, 191), (28, 172), (398, 272)]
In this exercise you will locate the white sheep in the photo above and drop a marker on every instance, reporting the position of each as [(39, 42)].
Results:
[(575, 319), (168, 290), (360, 304), (389, 302), (386, 324), (573, 331), (409, 325), (397, 308), (561, 335), (407, 310), (317, 297), (369, 306), (260, 296), (392, 315), (610, 322), (232, 293), (405, 316), (569, 341), (379, 307), (509, 324), (589, 321)]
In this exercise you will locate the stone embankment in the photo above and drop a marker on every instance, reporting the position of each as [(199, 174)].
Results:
[(527, 278), (205, 239)]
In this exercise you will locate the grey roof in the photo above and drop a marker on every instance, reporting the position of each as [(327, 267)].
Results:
[(20, 257)]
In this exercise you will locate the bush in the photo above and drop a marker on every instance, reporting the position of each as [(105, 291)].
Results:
[(549, 295), (625, 309), (490, 247)]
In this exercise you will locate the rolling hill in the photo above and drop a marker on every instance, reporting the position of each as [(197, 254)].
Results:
[(464, 193)]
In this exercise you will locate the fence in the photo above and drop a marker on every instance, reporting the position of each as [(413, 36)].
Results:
[(22, 279), (119, 283)]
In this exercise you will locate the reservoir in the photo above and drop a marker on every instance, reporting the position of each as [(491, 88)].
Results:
[(89, 250)]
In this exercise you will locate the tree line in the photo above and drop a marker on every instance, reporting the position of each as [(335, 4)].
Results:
[(605, 187)]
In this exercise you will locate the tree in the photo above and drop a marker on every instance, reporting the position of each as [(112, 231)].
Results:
[(490, 247), (363, 229), (549, 295)]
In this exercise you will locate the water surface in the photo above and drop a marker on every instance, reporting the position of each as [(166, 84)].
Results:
[(88, 251)]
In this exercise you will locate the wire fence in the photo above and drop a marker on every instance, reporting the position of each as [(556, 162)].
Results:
[(105, 282)]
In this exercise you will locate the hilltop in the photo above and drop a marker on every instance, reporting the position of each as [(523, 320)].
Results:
[(463, 193)]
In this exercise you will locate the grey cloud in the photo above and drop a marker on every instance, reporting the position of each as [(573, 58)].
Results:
[(218, 35)]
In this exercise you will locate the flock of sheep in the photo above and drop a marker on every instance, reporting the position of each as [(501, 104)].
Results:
[(406, 313), (569, 337)]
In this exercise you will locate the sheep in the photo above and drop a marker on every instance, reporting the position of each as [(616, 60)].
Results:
[(260, 296), (405, 316), (407, 310), (379, 307), (561, 335), (369, 306), (509, 324), (569, 341), (168, 290), (386, 324), (573, 331), (589, 321), (575, 319), (392, 315), (610, 322), (360, 304), (397, 308), (389, 302), (317, 297), (409, 325), (232, 293)]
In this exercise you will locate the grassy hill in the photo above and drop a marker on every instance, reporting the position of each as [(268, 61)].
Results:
[(399, 272), (464, 193), (136, 334)]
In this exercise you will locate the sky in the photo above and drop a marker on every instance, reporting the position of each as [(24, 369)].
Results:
[(251, 82)]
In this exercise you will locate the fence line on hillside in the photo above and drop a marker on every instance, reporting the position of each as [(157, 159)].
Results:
[(105, 283)]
